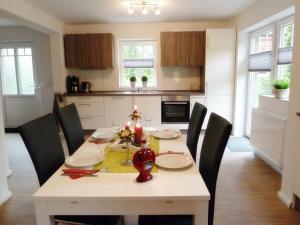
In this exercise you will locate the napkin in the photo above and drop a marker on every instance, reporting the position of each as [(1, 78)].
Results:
[(77, 173)]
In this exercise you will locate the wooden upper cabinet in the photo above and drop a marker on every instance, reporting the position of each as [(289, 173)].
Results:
[(168, 49), (183, 48), (89, 51)]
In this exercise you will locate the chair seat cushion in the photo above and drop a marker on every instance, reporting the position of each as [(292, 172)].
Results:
[(166, 220), (88, 220)]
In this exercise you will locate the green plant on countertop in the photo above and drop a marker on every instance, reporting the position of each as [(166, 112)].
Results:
[(132, 79), (281, 84), (144, 78)]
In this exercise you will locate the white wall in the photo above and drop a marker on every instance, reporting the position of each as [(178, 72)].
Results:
[(259, 14), (179, 78)]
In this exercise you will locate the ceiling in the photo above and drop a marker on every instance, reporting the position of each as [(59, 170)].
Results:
[(115, 11)]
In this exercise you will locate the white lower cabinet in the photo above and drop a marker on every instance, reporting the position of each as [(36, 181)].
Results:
[(90, 110), (150, 108), (117, 110)]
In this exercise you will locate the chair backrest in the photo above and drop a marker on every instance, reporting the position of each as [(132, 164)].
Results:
[(194, 128), (213, 146), (71, 126), (43, 143)]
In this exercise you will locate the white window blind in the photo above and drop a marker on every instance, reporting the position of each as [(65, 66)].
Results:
[(260, 62), (285, 55), (138, 63)]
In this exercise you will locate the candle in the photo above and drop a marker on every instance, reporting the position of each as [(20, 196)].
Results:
[(127, 125), (135, 109), (138, 132)]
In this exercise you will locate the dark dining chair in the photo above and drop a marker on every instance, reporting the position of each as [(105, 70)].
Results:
[(43, 143), (213, 146), (194, 128), (70, 123)]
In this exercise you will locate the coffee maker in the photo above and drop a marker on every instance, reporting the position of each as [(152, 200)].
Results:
[(72, 84)]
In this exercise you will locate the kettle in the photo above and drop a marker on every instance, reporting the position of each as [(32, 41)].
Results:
[(86, 86)]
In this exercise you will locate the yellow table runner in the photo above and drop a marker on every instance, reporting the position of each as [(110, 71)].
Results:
[(112, 160)]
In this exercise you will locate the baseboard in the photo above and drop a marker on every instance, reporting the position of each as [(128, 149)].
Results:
[(286, 200), (11, 130), (269, 161), (4, 196)]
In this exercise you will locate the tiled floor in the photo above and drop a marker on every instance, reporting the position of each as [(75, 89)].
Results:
[(246, 191)]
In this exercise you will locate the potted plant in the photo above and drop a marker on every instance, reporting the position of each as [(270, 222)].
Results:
[(132, 81), (281, 88), (144, 81)]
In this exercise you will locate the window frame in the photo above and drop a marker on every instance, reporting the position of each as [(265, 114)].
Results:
[(121, 43), (275, 27), (279, 24), (15, 46)]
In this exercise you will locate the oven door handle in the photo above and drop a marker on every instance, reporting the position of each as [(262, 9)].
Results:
[(176, 103)]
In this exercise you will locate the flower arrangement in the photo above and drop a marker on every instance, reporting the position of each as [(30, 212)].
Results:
[(135, 116), (126, 135)]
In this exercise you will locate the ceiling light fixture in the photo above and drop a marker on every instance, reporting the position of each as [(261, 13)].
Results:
[(145, 10), (131, 10), (144, 7)]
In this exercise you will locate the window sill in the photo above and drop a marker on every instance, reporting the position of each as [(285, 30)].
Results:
[(272, 96)]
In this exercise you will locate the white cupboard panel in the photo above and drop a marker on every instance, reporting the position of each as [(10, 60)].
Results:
[(92, 122), (220, 39), (90, 109), (222, 105), (84, 99), (150, 108), (117, 110), (219, 74)]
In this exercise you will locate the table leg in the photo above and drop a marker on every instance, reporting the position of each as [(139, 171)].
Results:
[(201, 215), (42, 217)]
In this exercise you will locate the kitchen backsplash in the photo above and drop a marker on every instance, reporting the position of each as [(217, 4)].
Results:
[(175, 78)]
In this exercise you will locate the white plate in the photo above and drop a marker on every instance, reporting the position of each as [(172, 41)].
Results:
[(107, 134), (166, 134), (173, 161), (84, 160)]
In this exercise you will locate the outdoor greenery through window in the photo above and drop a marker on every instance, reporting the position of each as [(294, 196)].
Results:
[(137, 59), (16, 68)]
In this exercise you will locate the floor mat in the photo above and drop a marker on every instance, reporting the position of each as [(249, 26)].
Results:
[(239, 144)]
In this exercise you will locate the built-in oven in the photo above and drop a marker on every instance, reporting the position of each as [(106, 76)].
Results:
[(175, 109)]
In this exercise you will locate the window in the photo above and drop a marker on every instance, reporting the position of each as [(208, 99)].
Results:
[(270, 59), (16, 68), (285, 50), (137, 58)]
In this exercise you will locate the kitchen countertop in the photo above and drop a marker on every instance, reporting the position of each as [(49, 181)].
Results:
[(135, 93)]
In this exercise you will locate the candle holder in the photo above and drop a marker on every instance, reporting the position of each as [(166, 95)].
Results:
[(127, 161), (127, 136)]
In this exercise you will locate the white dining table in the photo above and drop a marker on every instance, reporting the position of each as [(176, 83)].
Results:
[(178, 192)]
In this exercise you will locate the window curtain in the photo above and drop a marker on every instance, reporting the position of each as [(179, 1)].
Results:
[(260, 62), (138, 63), (285, 56)]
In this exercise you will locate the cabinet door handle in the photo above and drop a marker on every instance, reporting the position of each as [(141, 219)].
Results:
[(187, 58), (84, 104), (86, 118)]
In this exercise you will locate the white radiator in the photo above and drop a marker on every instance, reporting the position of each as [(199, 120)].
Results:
[(267, 136)]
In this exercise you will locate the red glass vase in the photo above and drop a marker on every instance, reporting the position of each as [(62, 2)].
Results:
[(143, 161)]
